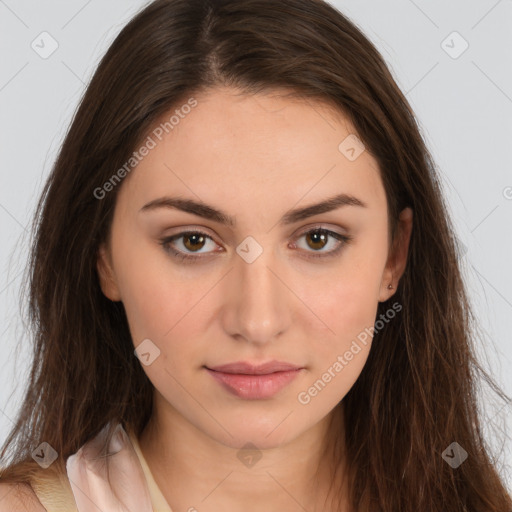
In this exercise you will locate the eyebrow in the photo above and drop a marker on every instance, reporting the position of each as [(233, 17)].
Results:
[(291, 216)]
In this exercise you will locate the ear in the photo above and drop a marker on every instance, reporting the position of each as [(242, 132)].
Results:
[(397, 259), (106, 274)]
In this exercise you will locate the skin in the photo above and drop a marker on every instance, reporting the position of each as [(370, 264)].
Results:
[(253, 157)]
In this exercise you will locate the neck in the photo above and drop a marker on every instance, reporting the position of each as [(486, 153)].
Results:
[(196, 472)]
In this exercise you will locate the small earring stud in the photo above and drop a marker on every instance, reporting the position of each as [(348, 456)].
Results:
[(390, 286)]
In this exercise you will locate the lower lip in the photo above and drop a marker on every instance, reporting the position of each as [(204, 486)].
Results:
[(253, 387)]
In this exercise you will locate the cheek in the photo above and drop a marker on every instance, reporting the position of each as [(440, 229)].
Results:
[(339, 353), (347, 311), (350, 297), (161, 320), (150, 285), (157, 308), (348, 308), (164, 306)]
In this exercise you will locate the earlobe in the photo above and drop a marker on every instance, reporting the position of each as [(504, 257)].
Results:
[(106, 275), (397, 260)]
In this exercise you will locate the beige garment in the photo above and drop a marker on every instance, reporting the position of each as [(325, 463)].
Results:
[(128, 487)]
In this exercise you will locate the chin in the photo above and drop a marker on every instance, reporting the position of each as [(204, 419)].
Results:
[(264, 432)]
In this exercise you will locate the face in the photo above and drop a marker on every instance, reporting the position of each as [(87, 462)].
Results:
[(300, 288)]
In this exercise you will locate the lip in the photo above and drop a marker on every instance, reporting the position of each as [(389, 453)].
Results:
[(254, 382), (244, 367)]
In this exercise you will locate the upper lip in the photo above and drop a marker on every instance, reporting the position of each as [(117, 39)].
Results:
[(243, 367)]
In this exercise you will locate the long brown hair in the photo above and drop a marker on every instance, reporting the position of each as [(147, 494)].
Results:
[(416, 394)]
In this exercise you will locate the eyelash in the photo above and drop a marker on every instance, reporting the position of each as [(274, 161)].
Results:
[(186, 258)]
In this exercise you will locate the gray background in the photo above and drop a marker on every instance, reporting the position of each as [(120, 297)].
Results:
[(463, 102)]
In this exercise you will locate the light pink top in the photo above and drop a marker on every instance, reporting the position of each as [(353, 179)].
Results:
[(121, 482)]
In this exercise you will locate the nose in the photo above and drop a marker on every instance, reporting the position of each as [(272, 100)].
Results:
[(257, 301)]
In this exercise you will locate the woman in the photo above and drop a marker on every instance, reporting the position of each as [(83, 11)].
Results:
[(244, 283)]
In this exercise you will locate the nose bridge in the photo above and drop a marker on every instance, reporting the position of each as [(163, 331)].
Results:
[(258, 308)]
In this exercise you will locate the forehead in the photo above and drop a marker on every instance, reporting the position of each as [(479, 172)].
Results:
[(259, 146)]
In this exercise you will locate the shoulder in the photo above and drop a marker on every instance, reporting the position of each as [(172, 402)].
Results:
[(48, 491), (19, 497)]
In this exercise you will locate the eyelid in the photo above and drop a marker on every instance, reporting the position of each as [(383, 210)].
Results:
[(191, 229), (320, 226)]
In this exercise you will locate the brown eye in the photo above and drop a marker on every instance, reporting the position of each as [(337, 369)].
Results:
[(317, 239), (193, 241), (185, 244)]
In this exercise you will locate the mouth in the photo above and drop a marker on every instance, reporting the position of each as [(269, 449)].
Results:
[(254, 382)]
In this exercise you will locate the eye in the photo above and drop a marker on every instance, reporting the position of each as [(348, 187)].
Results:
[(192, 242), (318, 238)]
